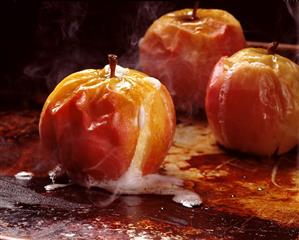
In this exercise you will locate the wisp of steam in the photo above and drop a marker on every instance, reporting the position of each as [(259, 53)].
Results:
[(63, 26), (293, 9), (57, 35)]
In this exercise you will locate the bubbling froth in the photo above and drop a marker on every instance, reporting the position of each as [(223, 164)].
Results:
[(132, 182)]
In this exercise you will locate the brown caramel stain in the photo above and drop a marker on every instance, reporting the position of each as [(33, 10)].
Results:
[(243, 197), (267, 188)]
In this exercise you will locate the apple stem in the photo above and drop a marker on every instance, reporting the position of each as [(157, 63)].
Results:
[(112, 58), (194, 12), (272, 48)]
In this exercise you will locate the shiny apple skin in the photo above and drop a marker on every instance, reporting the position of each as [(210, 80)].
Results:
[(182, 52), (252, 102), (92, 124)]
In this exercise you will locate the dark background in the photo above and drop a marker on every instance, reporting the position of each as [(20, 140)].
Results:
[(43, 41)]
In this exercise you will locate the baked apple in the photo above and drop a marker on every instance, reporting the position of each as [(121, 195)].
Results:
[(182, 47), (252, 102), (101, 122)]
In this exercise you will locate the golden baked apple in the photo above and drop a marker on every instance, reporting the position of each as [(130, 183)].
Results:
[(252, 102), (182, 47), (101, 122)]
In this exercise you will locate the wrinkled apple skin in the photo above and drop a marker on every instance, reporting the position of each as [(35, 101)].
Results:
[(93, 123), (252, 102), (182, 52)]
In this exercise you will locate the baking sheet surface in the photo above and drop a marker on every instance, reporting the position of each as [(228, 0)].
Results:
[(243, 197)]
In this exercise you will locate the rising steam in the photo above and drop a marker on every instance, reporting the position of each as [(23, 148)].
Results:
[(147, 12), (57, 34), (58, 50), (293, 8)]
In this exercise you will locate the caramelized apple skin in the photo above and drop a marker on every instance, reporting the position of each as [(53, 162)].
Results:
[(93, 124), (252, 102), (182, 52)]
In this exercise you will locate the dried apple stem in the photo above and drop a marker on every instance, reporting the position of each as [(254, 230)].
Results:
[(194, 12), (112, 62), (272, 48)]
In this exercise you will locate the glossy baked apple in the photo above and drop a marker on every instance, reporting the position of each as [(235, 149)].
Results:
[(252, 102), (101, 122), (182, 47)]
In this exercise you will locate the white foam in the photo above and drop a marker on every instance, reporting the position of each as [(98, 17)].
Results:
[(119, 70), (56, 172), (24, 175), (153, 81), (54, 186), (187, 198), (132, 182), (68, 235)]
